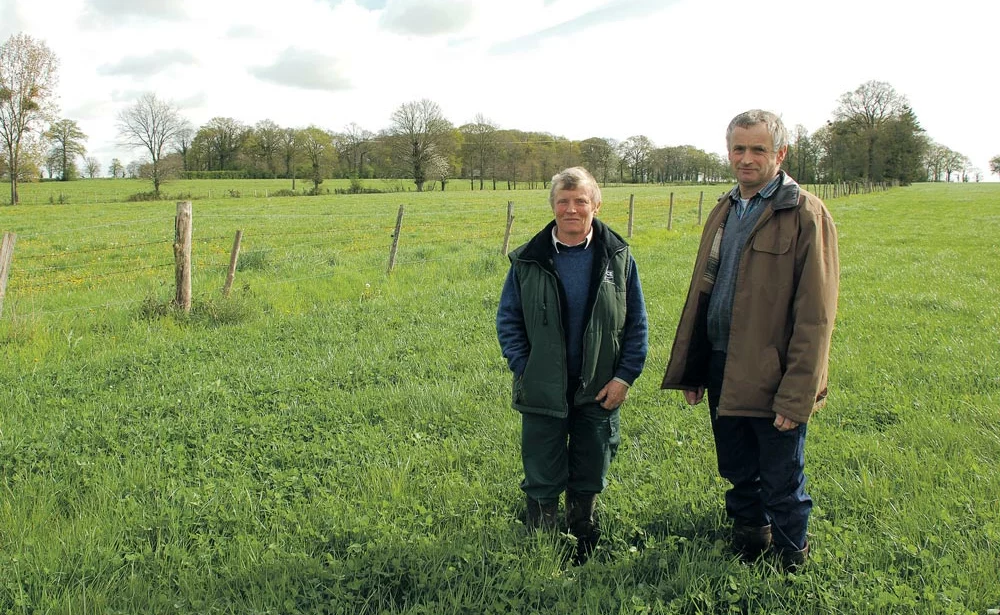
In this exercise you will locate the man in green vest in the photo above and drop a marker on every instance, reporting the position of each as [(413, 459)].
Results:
[(572, 326)]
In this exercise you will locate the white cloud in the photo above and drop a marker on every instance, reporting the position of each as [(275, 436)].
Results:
[(427, 17), (143, 66), (98, 13), (308, 70)]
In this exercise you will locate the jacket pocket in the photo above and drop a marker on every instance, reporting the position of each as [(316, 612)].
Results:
[(770, 372), (772, 241)]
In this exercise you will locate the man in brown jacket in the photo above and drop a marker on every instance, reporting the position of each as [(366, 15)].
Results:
[(755, 333)]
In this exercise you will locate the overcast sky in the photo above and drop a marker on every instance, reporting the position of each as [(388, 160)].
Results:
[(674, 70)]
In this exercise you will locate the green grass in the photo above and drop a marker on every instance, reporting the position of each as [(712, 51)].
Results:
[(333, 439), (104, 190)]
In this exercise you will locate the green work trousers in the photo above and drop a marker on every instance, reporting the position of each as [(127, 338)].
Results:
[(571, 453)]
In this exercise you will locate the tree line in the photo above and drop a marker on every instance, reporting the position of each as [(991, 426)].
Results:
[(873, 136)]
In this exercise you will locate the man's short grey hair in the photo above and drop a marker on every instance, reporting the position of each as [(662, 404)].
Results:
[(575, 178), (748, 119)]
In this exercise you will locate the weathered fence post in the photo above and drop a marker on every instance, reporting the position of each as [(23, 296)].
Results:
[(631, 213), (701, 200), (510, 225), (6, 256), (670, 213), (182, 255), (233, 258), (395, 240)]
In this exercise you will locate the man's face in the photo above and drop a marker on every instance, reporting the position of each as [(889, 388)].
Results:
[(753, 159), (574, 213)]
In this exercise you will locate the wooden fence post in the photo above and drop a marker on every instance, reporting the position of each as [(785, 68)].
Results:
[(701, 201), (182, 254), (631, 213), (233, 258), (395, 240), (6, 256), (510, 225), (670, 213)]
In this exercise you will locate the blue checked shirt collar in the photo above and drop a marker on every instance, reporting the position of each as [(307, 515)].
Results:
[(765, 193)]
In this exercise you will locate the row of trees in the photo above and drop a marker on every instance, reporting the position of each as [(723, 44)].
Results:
[(420, 144), (874, 136)]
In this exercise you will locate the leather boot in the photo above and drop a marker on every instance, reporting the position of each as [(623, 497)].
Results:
[(793, 561), (583, 524), (750, 542), (540, 515)]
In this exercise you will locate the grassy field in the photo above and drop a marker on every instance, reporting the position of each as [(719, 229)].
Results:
[(105, 190), (334, 439)]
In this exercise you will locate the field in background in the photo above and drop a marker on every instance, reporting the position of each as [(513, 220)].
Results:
[(104, 190), (333, 439)]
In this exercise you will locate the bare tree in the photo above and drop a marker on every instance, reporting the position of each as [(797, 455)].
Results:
[(356, 143), (482, 144), (182, 143), (27, 97), (419, 128), (67, 144), (154, 125), (92, 167), (290, 149)]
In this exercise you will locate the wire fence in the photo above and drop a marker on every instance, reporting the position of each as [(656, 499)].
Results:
[(124, 262)]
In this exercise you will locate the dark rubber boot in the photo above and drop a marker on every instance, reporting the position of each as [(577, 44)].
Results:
[(583, 524), (544, 516), (750, 542), (793, 561)]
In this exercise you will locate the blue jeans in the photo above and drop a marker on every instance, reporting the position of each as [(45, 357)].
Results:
[(766, 468)]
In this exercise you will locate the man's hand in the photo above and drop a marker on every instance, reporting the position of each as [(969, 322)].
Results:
[(612, 395), (783, 423), (694, 396)]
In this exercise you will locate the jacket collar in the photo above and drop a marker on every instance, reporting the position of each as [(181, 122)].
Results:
[(787, 194), (783, 195), (605, 241)]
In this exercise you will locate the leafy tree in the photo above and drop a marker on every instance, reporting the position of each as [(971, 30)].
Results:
[(154, 125), (67, 144), (263, 142), (27, 98), (802, 160), (223, 138), (598, 157), (635, 152), (869, 123), (419, 129), (995, 165), (116, 170), (904, 145), (317, 147)]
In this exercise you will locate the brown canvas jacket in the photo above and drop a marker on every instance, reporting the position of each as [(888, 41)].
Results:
[(783, 311)]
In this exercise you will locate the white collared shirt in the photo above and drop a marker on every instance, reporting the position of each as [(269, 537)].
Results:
[(586, 242)]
